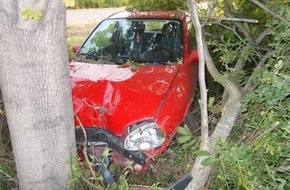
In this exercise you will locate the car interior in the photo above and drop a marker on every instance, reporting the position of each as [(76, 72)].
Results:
[(138, 40)]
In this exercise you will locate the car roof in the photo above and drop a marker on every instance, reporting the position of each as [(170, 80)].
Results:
[(150, 15)]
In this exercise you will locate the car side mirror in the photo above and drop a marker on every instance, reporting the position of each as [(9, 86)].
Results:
[(76, 48), (193, 57)]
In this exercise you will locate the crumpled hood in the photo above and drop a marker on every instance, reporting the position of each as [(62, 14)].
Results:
[(113, 96)]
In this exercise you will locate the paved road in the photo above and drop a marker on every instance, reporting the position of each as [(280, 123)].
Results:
[(90, 15)]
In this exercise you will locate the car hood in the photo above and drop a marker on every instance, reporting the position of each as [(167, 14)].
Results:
[(113, 96)]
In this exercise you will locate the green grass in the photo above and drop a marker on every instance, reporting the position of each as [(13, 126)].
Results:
[(77, 34), (7, 165)]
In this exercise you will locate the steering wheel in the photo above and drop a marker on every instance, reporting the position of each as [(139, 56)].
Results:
[(166, 49)]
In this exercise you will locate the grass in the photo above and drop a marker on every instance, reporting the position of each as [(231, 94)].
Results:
[(77, 33), (81, 30), (7, 165), (167, 168)]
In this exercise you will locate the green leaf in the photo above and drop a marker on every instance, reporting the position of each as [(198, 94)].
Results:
[(210, 102), (202, 153), (208, 161), (188, 144), (27, 14), (31, 14), (282, 184), (182, 131), (106, 152), (278, 65), (183, 139), (188, 131)]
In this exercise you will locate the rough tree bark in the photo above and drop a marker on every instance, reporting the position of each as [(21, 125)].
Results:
[(231, 109), (34, 80)]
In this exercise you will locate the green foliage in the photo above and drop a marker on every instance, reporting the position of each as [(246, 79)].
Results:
[(84, 178), (157, 5), (258, 156), (249, 166), (7, 175), (28, 14), (7, 165), (99, 3), (70, 3), (74, 41), (186, 139), (75, 173)]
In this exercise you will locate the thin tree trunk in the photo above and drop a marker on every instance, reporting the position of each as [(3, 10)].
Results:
[(34, 77), (199, 172)]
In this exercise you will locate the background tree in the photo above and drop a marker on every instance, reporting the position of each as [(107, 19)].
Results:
[(34, 78), (157, 5)]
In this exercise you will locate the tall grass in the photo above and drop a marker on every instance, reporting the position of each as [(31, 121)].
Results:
[(100, 3), (7, 165)]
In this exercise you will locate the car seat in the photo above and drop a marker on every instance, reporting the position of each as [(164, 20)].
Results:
[(135, 40), (167, 47), (171, 38)]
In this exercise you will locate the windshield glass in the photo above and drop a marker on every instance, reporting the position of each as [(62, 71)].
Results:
[(116, 41)]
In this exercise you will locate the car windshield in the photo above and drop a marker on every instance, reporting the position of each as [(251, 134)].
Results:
[(117, 41)]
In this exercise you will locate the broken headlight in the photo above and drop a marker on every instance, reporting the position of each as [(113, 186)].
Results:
[(144, 136)]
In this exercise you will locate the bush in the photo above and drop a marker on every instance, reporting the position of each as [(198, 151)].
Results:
[(80, 4)]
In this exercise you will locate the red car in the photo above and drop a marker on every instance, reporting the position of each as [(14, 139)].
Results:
[(133, 83)]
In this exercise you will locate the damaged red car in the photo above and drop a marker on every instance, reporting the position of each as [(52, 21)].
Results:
[(133, 83)]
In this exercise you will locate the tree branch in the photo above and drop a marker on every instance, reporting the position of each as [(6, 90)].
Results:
[(238, 24), (241, 61), (262, 36), (202, 84), (232, 19), (85, 144), (214, 3), (272, 13), (257, 69), (232, 106), (199, 172)]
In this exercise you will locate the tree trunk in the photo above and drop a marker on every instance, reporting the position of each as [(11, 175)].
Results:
[(231, 109), (34, 80)]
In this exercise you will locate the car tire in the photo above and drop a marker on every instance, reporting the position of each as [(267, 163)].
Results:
[(191, 121)]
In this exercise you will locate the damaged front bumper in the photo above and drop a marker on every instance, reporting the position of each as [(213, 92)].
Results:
[(99, 137)]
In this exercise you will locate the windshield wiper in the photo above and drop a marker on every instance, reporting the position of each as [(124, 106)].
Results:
[(140, 60), (149, 62)]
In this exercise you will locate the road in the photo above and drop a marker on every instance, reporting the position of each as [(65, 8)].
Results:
[(90, 15)]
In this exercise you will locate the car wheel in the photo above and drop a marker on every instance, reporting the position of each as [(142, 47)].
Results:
[(191, 121)]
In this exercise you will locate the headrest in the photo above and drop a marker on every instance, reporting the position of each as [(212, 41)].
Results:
[(170, 29), (138, 26)]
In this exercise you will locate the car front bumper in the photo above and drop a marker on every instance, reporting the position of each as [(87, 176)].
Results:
[(99, 137)]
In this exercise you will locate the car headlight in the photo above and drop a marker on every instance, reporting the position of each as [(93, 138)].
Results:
[(144, 136)]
